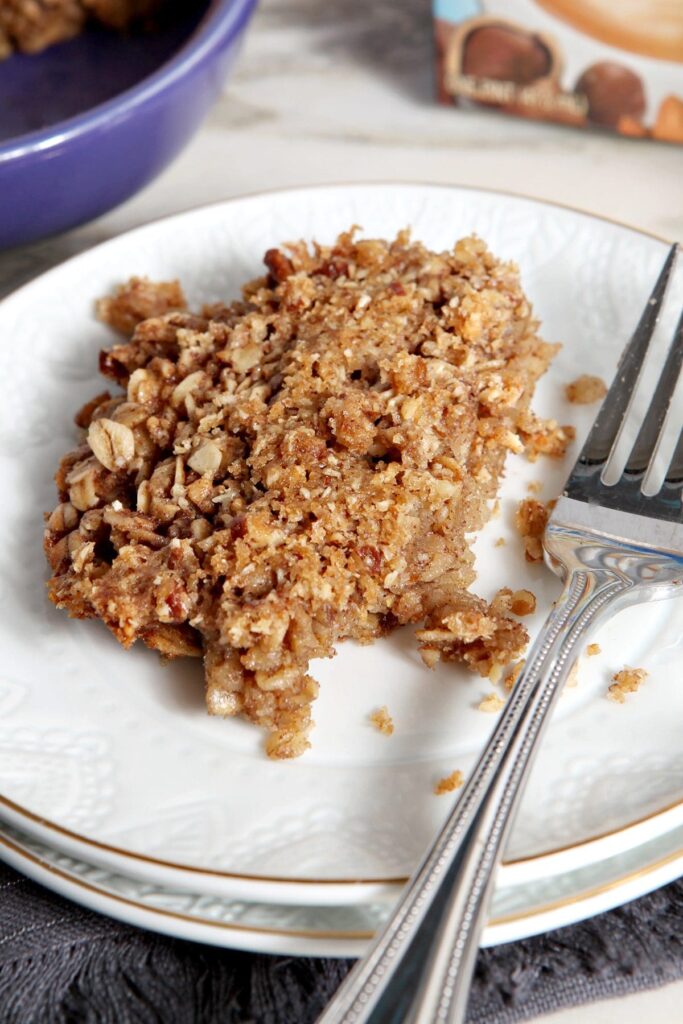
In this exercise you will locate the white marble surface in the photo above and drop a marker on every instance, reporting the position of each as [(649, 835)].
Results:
[(342, 91)]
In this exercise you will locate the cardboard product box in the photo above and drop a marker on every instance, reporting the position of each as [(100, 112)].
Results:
[(611, 64)]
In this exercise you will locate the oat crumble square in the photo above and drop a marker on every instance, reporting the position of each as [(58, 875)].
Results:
[(302, 466)]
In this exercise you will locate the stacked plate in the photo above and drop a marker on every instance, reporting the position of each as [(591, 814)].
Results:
[(119, 792)]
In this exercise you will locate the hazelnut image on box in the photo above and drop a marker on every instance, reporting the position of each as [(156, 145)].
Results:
[(505, 54), (613, 92)]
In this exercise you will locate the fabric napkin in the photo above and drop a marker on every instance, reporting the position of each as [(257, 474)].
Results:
[(60, 964)]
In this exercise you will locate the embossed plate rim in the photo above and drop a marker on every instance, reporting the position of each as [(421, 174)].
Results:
[(534, 863), (584, 902)]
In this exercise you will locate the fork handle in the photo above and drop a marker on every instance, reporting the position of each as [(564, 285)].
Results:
[(420, 966)]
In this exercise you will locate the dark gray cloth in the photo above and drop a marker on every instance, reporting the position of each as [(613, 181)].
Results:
[(60, 964)]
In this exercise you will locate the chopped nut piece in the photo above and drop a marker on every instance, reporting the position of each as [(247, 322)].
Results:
[(184, 390), (206, 459), (491, 702), (593, 649), (514, 674), (626, 681), (382, 721), (544, 437), (586, 389), (519, 602), (279, 265), (245, 358), (502, 600), (449, 783), (523, 603), (531, 519), (495, 672), (430, 655)]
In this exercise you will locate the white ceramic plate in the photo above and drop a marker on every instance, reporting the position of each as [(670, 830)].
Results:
[(109, 752), (517, 912)]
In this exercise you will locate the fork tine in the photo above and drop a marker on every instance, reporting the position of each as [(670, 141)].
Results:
[(653, 421), (612, 415), (674, 476)]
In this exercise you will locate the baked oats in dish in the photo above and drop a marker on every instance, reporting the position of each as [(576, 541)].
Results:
[(302, 466), (33, 25)]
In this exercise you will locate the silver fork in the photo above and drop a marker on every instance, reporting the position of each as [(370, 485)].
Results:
[(613, 546)]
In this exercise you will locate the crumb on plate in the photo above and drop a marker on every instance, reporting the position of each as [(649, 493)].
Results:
[(382, 721), (593, 649), (519, 602), (531, 519), (514, 673), (545, 437), (491, 702), (449, 783), (585, 389), (627, 680)]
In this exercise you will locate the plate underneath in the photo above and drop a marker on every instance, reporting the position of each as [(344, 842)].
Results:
[(118, 749), (517, 912)]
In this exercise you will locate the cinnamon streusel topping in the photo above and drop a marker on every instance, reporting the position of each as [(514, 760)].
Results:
[(302, 466)]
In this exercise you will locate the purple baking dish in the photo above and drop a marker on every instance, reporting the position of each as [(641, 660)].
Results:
[(86, 124)]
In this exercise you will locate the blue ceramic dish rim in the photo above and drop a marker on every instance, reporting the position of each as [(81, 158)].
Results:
[(222, 22)]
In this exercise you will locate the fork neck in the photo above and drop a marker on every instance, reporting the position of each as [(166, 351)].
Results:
[(645, 554)]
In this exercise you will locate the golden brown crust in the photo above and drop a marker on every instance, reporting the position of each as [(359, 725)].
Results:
[(301, 467)]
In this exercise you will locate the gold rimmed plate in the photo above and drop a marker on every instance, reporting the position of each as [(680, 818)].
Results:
[(111, 757), (517, 912)]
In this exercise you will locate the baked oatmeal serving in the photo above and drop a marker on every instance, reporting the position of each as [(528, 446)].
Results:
[(33, 25), (302, 466)]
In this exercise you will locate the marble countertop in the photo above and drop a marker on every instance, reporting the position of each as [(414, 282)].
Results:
[(330, 91)]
